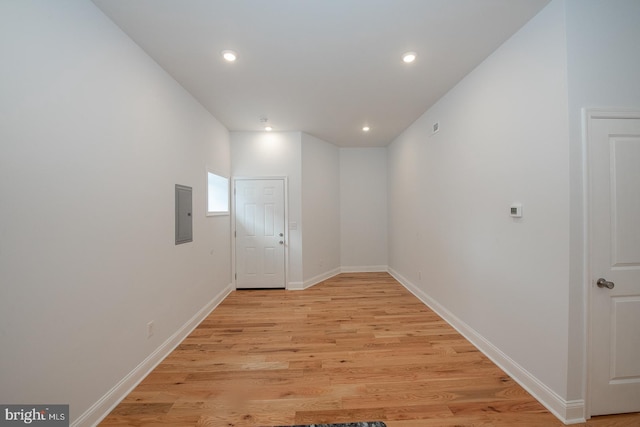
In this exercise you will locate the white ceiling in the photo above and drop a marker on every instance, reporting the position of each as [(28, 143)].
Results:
[(324, 67)]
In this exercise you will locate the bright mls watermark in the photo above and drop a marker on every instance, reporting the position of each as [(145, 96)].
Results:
[(36, 415)]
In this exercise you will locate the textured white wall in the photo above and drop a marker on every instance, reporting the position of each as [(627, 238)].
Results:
[(320, 208), (261, 154), (503, 138), (363, 208), (94, 136)]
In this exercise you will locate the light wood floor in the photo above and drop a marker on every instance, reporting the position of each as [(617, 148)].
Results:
[(357, 347)]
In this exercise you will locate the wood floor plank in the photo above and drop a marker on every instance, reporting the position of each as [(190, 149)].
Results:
[(357, 347)]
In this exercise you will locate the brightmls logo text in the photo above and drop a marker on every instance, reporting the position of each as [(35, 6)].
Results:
[(36, 415)]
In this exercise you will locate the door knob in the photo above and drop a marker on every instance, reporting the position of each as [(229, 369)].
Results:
[(280, 234), (602, 283), (281, 242)]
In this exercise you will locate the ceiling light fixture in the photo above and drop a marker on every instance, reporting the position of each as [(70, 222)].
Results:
[(229, 55), (409, 57), (265, 123), (366, 129)]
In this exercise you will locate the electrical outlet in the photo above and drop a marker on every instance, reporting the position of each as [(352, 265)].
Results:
[(150, 326)]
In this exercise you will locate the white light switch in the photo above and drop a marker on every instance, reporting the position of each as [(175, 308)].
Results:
[(293, 225)]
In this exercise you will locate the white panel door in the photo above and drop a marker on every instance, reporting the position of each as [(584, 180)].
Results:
[(614, 168), (260, 244)]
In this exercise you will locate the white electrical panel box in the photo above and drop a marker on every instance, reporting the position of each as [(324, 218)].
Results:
[(516, 210)]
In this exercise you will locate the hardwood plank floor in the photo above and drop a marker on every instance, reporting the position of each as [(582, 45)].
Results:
[(357, 347)]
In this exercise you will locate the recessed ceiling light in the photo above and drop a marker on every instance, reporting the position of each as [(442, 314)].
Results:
[(265, 123), (366, 129), (409, 57), (229, 55)]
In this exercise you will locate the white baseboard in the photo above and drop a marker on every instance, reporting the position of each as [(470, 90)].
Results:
[(364, 269), (314, 280), (299, 286), (295, 286), (569, 412), (110, 400), (575, 411)]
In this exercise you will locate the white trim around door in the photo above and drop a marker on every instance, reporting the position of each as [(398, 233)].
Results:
[(278, 239), (593, 268)]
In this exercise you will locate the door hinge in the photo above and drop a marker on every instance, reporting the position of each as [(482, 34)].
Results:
[(235, 233), (236, 276)]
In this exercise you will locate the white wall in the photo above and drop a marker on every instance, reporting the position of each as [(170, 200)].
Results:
[(363, 209), (603, 69), (261, 154), (94, 135), (320, 209), (503, 138)]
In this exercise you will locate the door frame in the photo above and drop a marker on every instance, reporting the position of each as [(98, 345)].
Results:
[(589, 114), (285, 181)]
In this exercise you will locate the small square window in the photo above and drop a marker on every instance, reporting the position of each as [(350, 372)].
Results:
[(217, 195)]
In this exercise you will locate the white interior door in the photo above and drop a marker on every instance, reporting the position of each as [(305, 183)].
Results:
[(260, 239), (614, 168)]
